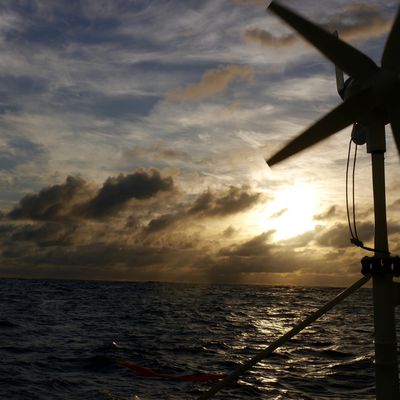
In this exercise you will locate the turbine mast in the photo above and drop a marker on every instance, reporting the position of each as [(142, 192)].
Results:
[(386, 364)]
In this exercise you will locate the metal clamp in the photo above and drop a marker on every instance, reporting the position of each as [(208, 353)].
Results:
[(380, 265)]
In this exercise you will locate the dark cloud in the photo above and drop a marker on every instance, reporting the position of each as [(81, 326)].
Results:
[(327, 214), (116, 191), (259, 3), (257, 246), (304, 239), (54, 202), (61, 242), (45, 234), (229, 232), (256, 257), (339, 236), (393, 228), (395, 206), (231, 202), (265, 38), (77, 199), (162, 222), (102, 254), (115, 257), (209, 204)]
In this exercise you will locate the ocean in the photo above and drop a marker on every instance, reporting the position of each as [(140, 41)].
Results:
[(62, 339)]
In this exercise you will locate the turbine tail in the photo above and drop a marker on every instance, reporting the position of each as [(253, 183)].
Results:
[(391, 53), (395, 124), (354, 63), (339, 118), (339, 76)]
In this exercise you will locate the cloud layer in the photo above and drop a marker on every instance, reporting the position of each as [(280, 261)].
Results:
[(132, 148), (76, 198)]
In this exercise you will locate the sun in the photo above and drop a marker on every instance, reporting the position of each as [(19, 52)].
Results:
[(291, 212)]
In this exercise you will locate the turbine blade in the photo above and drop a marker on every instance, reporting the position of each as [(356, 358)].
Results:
[(347, 58), (339, 118), (391, 54), (395, 124)]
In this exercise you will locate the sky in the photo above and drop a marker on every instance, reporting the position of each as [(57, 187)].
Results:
[(133, 136)]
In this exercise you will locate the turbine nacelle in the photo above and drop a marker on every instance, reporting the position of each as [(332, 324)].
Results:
[(383, 87)]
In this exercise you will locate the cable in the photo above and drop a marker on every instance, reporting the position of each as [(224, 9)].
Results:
[(347, 190), (353, 192), (353, 229)]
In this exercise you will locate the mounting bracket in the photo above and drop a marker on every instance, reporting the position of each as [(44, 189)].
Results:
[(380, 265)]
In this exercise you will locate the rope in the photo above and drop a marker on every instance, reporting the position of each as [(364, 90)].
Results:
[(243, 368)]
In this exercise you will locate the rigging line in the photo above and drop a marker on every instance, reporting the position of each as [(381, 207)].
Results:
[(347, 190), (243, 368)]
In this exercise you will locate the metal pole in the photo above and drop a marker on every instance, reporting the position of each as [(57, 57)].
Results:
[(386, 367)]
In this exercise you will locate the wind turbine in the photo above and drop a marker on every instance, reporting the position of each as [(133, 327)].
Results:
[(371, 99)]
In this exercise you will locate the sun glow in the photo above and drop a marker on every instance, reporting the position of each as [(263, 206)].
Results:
[(291, 212)]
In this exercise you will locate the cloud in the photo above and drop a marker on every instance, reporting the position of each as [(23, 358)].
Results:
[(265, 38), (257, 246), (45, 234), (76, 198), (92, 89), (338, 236), (327, 214), (354, 22), (159, 151), (259, 3), (213, 82), (278, 213), (162, 222), (360, 21), (234, 200), (54, 202), (119, 248), (209, 204), (229, 232), (16, 151), (116, 191), (259, 258)]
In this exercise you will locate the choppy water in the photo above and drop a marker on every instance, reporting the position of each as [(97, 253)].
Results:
[(56, 340)]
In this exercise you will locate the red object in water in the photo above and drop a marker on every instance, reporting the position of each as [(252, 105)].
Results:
[(143, 371)]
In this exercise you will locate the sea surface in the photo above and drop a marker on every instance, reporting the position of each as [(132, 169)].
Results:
[(61, 340)]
